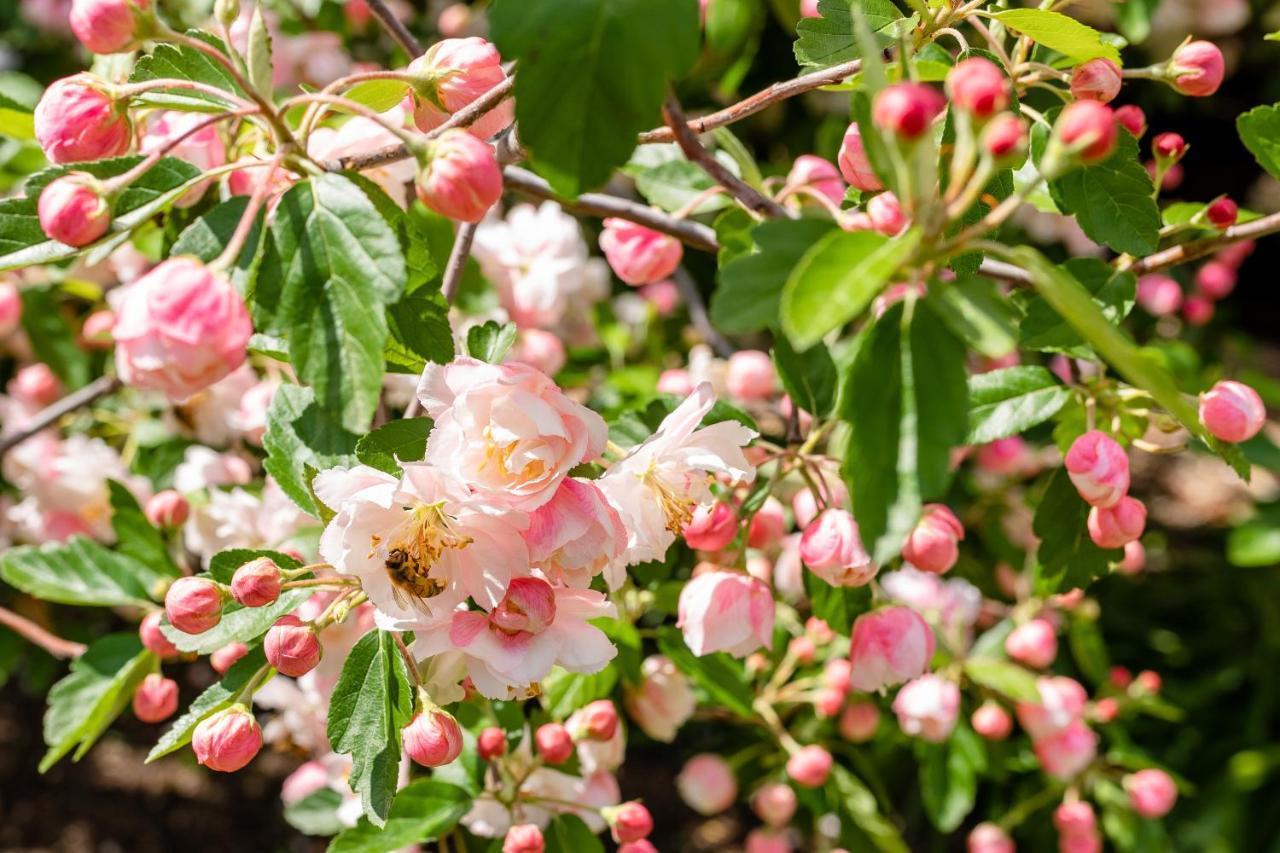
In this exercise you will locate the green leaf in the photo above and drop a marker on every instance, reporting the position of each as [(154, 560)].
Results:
[(568, 833), (209, 235), (16, 120), (1255, 543), (302, 439), (809, 377), (1043, 328), (174, 62), (78, 571), (1068, 558), (53, 340), (666, 179), (949, 778), (238, 624), (221, 695), (564, 692), (829, 39), (490, 341), (1259, 130), (838, 605), (837, 279), (223, 565), (907, 401), (342, 264), (980, 314), (316, 813), (1112, 200), (1059, 32), (1004, 677), (855, 800), (717, 673), (135, 537), (424, 810), (371, 702), (258, 54), (420, 332), (403, 440), (86, 701), (1012, 400), (1088, 648), (377, 95), (579, 101), (750, 285)]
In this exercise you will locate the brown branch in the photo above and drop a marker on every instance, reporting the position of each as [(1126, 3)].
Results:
[(457, 264), (693, 234), (1183, 252), (693, 149), (396, 28), (85, 396), (698, 314), (759, 101), (33, 633)]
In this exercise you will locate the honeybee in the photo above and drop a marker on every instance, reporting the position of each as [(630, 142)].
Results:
[(409, 578)]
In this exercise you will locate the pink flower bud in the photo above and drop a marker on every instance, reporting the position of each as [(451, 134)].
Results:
[(1116, 526), (809, 9), (644, 845), (1075, 818), (155, 699), (639, 255), (889, 646), (1106, 709), (225, 658), (774, 803), (802, 649), (818, 174), (762, 840), (1096, 80), (453, 73), (751, 376), (1005, 136), (77, 120), (832, 549), (202, 148), (1197, 68), (555, 744), (1232, 411), (167, 509), (529, 605), (1132, 119), (854, 164), (35, 385), (1216, 280), (675, 381), (1067, 752), (180, 328), (1159, 294), (1222, 212), (459, 177), (539, 349), (1089, 128), (1235, 254), (1197, 310), (907, 110), (726, 611), (886, 214), (859, 721), (809, 766), (491, 743), (10, 308), (256, 583), (991, 721), (827, 702), (1148, 681), (988, 838), (712, 527), (1099, 468), (768, 525), (193, 605), (597, 721), (96, 330), (292, 647), (934, 543), (74, 210), (524, 838), (432, 738), (1034, 643), (110, 26), (153, 639), (707, 784), (1169, 147), (1152, 792), (1135, 558), (227, 740), (630, 822), (978, 86), (927, 708), (837, 674)]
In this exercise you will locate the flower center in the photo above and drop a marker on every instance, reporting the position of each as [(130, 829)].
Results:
[(677, 508), (417, 545)]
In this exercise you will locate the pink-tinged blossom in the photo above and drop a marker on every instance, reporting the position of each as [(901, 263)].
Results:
[(978, 86), (992, 721), (1096, 80), (933, 545), (1117, 526), (74, 209), (1159, 294), (433, 738), (927, 708), (768, 525), (832, 549), (707, 784), (361, 135), (663, 701), (907, 110), (639, 255), (77, 120), (420, 543), (1034, 643), (818, 175), (722, 611), (953, 604), (459, 176), (988, 838), (1062, 701), (1064, 754), (180, 328), (1197, 68), (292, 646), (889, 646), (193, 605), (453, 73), (751, 376), (10, 308), (1152, 792), (1232, 411), (202, 148), (1099, 468), (540, 349), (1089, 128), (809, 766), (506, 430), (577, 535), (712, 527), (659, 484), (155, 699), (854, 164)]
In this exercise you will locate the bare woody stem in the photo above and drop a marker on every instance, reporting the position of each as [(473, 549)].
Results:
[(250, 215), (409, 662), (33, 633), (458, 260), (698, 314), (124, 180), (395, 28), (46, 417)]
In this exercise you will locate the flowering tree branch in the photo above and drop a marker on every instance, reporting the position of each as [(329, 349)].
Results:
[(30, 631), (85, 396)]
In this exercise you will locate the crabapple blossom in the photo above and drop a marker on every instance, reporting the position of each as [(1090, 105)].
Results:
[(153, 639), (167, 509), (491, 743), (1169, 147), (227, 740), (1117, 526), (853, 162), (432, 738), (751, 376), (991, 721), (639, 255), (225, 658), (598, 720), (886, 214), (629, 822), (712, 527), (193, 605), (1222, 212), (1075, 817), (1197, 68), (155, 699), (774, 803), (555, 744), (1005, 137), (1062, 702), (933, 545), (817, 174), (1064, 754), (10, 308), (927, 707), (1131, 118), (74, 209), (978, 86), (1087, 127), (1232, 411), (202, 148), (663, 701), (1197, 310), (1216, 280), (1152, 792), (724, 611), (1034, 643), (449, 76), (540, 349), (1159, 294), (35, 384), (832, 549), (577, 535), (458, 176), (768, 525), (707, 784), (809, 766), (360, 135), (988, 837), (907, 110), (889, 646), (292, 646), (1096, 80), (524, 838), (77, 119), (1099, 468), (110, 26)]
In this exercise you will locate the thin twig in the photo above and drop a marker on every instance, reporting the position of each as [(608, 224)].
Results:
[(51, 643), (698, 314), (395, 28), (693, 149), (85, 396), (409, 661), (458, 260), (693, 234), (1183, 252)]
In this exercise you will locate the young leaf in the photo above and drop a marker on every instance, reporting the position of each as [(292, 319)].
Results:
[(809, 377), (316, 813), (178, 62), (490, 341), (1059, 32), (837, 279), (302, 439), (750, 285), (371, 702), (16, 121), (223, 565), (569, 834), (976, 311), (949, 778), (1068, 558), (377, 95), (579, 101), (907, 402), (258, 54), (424, 810), (564, 692), (403, 440), (1259, 130), (1112, 200), (1011, 400), (215, 698), (829, 40), (716, 673), (78, 571), (86, 701), (854, 799), (1005, 677)]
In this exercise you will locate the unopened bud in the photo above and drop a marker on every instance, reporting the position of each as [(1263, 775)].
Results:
[(193, 605), (1168, 148), (153, 639), (907, 110), (859, 721), (433, 738), (77, 119), (96, 330), (775, 804), (459, 177), (292, 646), (224, 658), (1152, 792), (1087, 128), (886, 214), (227, 740), (1116, 526), (111, 26), (1132, 119), (597, 721), (1232, 411), (155, 699), (639, 255), (630, 821), (809, 766), (74, 209), (1197, 68), (524, 838), (707, 784), (978, 86), (167, 509), (991, 721), (491, 743), (1034, 643), (256, 583), (853, 162), (1222, 212), (1096, 80), (1005, 137), (712, 527), (555, 744)]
